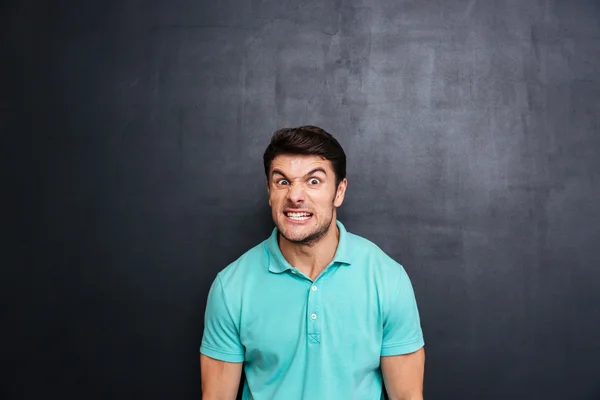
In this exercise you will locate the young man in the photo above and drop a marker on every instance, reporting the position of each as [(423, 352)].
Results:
[(313, 312)]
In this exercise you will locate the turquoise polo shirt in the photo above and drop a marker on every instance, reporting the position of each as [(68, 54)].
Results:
[(312, 340)]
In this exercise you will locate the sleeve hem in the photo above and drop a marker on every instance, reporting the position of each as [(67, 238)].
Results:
[(221, 355), (404, 348)]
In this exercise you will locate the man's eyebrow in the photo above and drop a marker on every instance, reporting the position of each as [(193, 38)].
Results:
[(314, 171), (311, 172), (276, 171)]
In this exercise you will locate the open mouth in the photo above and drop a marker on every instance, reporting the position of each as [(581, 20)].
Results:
[(298, 216)]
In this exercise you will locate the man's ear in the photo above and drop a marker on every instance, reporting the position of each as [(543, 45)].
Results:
[(340, 193), (268, 192)]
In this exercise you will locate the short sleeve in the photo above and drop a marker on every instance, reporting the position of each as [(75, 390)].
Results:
[(402, 332), (220, 339)]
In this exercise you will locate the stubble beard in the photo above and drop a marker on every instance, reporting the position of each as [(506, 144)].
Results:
[(313, 237)]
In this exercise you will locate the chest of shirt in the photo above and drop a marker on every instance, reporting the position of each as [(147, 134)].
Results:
[(287, 316)]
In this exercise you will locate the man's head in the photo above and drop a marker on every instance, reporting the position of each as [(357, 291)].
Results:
[(306, 180)]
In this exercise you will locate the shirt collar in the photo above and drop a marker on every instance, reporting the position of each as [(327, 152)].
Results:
[(278, 263)]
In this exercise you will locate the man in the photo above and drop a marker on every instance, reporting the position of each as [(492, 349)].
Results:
[(313, 312)]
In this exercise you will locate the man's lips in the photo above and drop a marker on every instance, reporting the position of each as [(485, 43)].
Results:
[(297, 215)]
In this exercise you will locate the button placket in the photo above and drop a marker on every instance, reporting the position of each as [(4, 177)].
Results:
[(314, 313)]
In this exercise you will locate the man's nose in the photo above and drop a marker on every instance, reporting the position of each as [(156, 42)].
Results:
[(296, 193)]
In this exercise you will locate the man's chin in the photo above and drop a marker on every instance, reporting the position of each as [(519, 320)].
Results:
[(302, 238), (294, 237)]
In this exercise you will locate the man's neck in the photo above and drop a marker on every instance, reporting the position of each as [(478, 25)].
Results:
[(312, 259)]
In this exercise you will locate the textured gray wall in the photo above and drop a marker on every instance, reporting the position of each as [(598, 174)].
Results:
[(133, 134)]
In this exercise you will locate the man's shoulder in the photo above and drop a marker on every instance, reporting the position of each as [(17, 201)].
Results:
[(371, 255), (363, 247), (361, 243), (250, 261)]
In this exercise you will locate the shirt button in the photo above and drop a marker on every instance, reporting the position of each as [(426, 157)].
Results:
[(293, 271), (313, 316), (314, 288)]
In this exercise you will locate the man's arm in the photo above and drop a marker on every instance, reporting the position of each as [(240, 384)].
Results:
[(403, 375), (220, 379), (221, 351), (402, 352)]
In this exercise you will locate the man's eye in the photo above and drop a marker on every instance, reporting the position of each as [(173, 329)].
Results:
[(282, 182), (314, 181)]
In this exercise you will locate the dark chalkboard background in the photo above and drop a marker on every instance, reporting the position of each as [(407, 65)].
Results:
[(133, 133)]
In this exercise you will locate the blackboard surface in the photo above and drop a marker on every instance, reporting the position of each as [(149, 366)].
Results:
[(132, 141)]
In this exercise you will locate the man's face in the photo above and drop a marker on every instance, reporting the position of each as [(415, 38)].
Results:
[(303, 197)]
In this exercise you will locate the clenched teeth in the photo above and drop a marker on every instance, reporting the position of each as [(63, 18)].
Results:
[(298, 215)]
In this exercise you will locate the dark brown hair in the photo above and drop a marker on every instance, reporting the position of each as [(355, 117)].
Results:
[(307, 140)]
